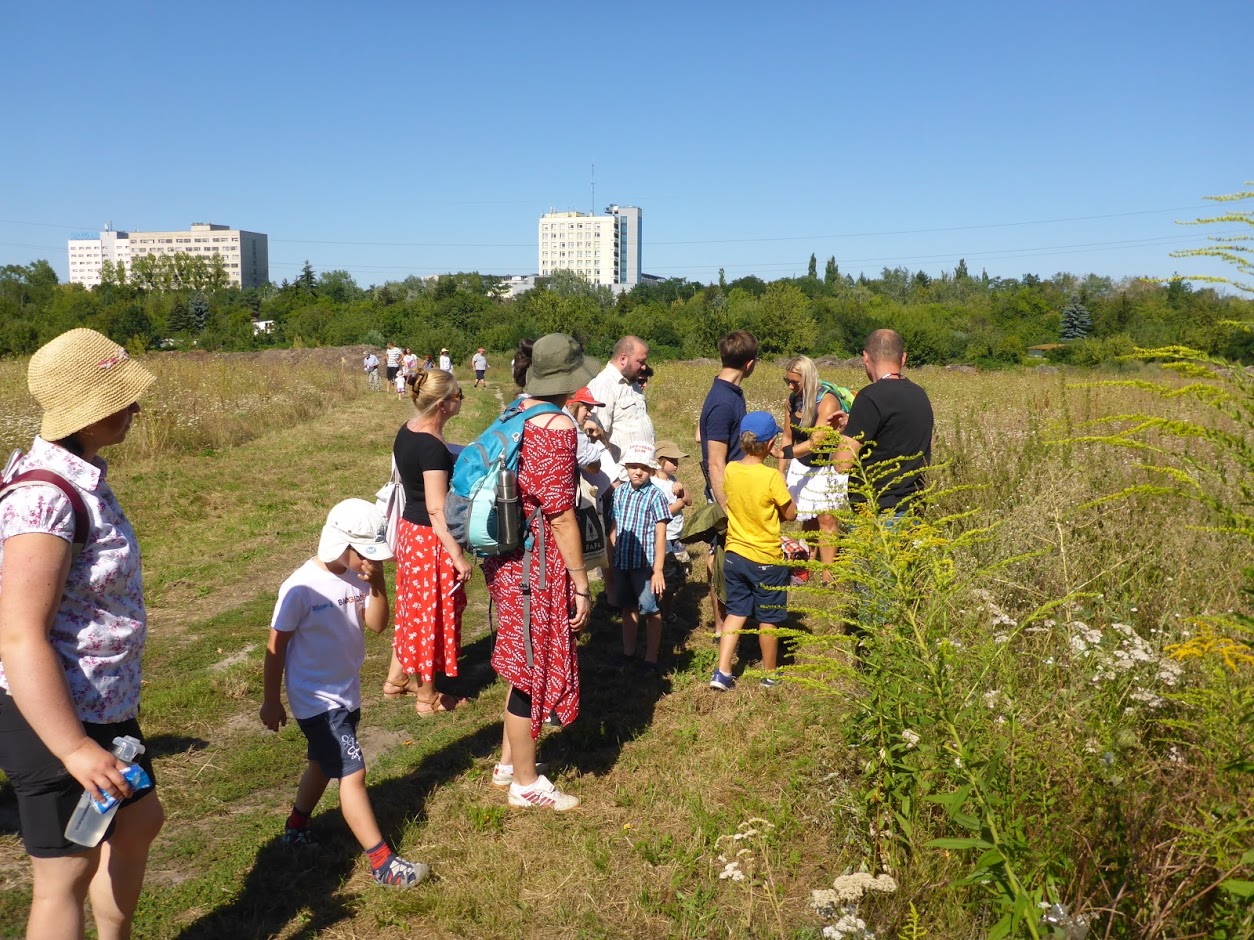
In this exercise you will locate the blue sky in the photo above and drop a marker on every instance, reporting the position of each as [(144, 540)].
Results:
[(413, 138)]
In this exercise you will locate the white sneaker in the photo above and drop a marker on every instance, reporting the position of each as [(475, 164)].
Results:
[(541, 793), (503, 774)]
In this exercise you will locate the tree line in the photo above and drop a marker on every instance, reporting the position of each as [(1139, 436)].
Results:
[(953, 317)]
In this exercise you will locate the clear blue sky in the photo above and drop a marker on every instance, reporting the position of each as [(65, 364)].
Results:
[(412, 138)]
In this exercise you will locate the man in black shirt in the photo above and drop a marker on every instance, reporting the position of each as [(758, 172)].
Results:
[(890, 425)]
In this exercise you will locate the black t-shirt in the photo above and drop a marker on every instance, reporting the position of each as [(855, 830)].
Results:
[(895, 420), (415, 453)]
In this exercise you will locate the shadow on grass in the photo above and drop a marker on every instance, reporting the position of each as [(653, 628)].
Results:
[(289, 885)]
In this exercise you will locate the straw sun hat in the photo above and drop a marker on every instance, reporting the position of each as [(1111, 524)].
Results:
[(82, 377)]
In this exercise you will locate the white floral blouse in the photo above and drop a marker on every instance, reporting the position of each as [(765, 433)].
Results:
[(100, 627)]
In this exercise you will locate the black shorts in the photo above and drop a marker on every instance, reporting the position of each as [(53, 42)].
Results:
[(46, 793), (392, 370)]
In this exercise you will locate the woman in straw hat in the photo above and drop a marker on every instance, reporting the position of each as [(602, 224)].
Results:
[(535, 649), (72, 628)]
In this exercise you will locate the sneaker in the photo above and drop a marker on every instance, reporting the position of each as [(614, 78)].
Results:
[(722, 682), (647, 670), (770, 681), (541, 793), (400, 873), (503, 774), (300, 838)]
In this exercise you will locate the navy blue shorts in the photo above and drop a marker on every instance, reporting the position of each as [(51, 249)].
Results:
[(479, 375), (756, 591), (333, 745), (46, 793)]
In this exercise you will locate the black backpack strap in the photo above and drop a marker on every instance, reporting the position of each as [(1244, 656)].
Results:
[(70, 491)]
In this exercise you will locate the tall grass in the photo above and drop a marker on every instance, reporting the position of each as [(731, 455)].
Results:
[(200, 402)]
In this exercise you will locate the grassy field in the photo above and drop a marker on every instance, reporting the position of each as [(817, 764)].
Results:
[(977, 721)]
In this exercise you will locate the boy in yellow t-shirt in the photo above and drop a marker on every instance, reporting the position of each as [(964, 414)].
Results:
[(754, 569)]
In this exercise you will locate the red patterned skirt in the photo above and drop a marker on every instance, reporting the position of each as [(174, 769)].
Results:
[(429, 604)]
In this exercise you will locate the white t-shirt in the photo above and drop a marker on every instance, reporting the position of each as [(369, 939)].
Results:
[(323, 612), (480, 362), (676, 525), (409, 363), (446, 363)]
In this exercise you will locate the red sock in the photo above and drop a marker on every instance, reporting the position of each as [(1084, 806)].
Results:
[(297, 820), (379, 856)]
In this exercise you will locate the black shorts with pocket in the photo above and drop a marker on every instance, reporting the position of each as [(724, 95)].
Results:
[(46, 793)]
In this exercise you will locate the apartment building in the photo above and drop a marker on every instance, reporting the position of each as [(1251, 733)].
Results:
[(603, 249), (245, 255)]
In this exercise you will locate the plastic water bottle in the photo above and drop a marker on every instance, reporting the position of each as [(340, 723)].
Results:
[(508, 516), (92, 817)]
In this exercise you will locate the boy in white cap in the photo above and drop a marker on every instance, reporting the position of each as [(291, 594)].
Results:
[(317, 645), (639, 543)]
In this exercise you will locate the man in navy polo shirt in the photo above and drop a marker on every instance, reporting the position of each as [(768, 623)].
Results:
[(719, 429)]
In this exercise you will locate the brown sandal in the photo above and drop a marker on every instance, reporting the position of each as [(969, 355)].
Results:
[(441, 703), (395, 689)]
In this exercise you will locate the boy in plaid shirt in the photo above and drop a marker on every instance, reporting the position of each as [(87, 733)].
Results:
[(638, 539)]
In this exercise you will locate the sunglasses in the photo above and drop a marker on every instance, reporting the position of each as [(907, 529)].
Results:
[(458, 395)]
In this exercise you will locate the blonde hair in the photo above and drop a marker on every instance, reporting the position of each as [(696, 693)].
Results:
[(804, 366), (429, 387)]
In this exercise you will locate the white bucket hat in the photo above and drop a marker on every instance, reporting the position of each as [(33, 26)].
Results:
[(355, 523)]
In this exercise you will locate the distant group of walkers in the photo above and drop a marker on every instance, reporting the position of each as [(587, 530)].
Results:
[(72, 616), (401, 365)]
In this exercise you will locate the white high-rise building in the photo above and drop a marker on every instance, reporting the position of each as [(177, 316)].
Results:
[(603, 249), (245, 255)]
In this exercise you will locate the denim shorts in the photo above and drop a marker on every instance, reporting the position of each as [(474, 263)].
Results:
[(332, 738), (636, 591), (755, 590), (46, 793)]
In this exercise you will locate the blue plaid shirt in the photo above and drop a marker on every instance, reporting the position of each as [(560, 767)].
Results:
[(636, 515)]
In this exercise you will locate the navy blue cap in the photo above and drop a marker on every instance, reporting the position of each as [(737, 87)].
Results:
[(761, 424)]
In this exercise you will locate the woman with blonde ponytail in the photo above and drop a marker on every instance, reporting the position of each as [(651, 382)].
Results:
[(431, 570)]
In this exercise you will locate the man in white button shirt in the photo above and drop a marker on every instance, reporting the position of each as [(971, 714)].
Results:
[(623, 416)]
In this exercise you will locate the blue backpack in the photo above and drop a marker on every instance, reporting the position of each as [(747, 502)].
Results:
[(470, 509)]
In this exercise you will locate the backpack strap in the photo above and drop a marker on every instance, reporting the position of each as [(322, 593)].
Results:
[(68, 489)]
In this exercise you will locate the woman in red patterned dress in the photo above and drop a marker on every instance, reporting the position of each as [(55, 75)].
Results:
[(431, 571), (554, 367)]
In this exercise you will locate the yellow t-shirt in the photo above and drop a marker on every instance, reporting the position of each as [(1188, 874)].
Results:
[(755, 495)]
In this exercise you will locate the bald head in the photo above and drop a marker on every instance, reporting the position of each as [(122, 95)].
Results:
[(885, 346)]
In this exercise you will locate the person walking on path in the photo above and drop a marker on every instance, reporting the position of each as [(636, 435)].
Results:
[(317, 644), (72, 630), (431, 570), (815, 409), (480, 365), (623, 414), (890, 428), (535, 646), (392, 357), (370, 365), (719, 432)]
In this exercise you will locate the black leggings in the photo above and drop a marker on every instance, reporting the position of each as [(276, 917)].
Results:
[(518, 704)]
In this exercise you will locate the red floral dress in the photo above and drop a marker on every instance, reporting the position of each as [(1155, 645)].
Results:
[(546, 477)]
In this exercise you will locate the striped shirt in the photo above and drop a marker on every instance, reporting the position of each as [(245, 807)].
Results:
[(637, 511)]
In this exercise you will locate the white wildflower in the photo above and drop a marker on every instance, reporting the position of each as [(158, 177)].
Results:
[(992, 698), (911, 738), (732, 872)]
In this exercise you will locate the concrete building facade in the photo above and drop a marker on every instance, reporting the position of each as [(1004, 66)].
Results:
[(245, 255), (603, 249)]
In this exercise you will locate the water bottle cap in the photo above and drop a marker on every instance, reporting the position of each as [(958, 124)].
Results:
[(126, 747)]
